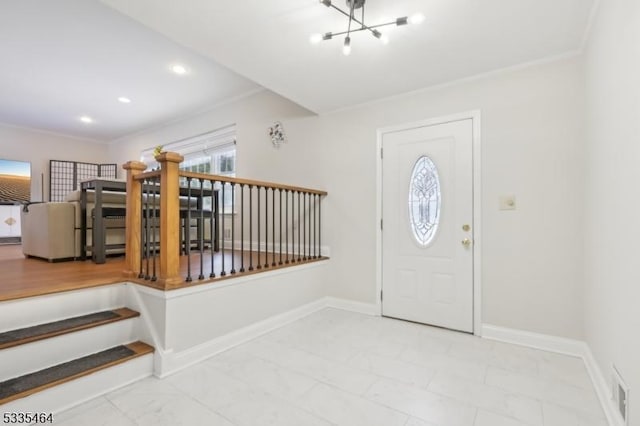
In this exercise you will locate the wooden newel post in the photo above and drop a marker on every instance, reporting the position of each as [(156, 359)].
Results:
[(169, 219), (134, 213)]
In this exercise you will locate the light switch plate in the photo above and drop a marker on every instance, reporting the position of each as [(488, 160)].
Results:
[(507, 202)]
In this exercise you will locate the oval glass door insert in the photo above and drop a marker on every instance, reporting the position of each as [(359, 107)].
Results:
[(424, 201)]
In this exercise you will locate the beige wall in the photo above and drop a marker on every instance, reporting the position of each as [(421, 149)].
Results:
[(612, 314), (532, 145), (39, 147)]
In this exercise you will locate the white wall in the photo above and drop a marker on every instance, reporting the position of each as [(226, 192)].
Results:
[(257, 159), (612, 276), (39, 147), (191, 324), (532, 147)]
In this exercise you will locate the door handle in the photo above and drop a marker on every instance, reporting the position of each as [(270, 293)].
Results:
[(466, 242)]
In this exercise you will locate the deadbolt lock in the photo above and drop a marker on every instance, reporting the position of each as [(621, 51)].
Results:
[(466, 227)]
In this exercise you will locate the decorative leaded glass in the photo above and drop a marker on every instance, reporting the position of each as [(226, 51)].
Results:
[(424, 200)]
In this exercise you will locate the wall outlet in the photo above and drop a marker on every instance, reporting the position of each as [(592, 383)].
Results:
[(620, 393), (507, 202)]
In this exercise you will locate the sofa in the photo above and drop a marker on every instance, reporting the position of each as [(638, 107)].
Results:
[(53, 231)]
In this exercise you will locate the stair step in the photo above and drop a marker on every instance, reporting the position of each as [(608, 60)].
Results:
[(29, 384), (21, 336)]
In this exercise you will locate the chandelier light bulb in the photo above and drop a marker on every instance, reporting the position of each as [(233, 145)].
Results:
[(384, 39), (416, 19), (346, 49), (315, 38)]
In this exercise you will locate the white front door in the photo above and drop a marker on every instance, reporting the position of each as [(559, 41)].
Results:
[(427, 236)]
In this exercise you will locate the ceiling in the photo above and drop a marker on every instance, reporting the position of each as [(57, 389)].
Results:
[(268, 41), (62, 59)]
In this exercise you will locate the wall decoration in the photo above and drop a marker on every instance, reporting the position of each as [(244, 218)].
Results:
[(15, 181), (276, 132)]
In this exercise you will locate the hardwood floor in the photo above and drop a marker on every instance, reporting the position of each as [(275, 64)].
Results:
[(26, 277), (21, 277)]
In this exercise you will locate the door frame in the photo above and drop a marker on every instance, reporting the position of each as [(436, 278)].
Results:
[(475, 117)]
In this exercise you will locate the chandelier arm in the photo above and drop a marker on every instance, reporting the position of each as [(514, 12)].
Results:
[(362, 24), (371, 27), (351, 18), (346, 32), (365, 28)]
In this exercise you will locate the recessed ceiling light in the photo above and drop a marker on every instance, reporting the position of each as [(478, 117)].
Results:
[(179, 69), (124, 100), (86, 119)]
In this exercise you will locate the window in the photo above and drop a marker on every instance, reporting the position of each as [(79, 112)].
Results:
[(424, 201), (210, 153)]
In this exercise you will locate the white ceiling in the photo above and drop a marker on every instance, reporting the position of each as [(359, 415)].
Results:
[(61, 59), (267, 41), (65, 58)]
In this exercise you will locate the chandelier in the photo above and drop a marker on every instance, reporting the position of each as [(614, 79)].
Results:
[(358, 24)]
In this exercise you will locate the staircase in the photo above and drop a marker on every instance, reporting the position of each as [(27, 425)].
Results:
[(59, 350)]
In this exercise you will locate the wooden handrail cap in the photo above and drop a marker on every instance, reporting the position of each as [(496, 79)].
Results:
[(134, 165), (169, 157)]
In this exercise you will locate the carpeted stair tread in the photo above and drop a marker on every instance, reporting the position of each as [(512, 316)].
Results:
[(28, 384), (43, 331)]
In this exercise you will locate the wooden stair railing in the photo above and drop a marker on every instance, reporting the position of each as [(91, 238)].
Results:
[(268, 225)]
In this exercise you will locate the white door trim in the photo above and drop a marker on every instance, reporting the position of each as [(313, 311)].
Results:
[(477, 204)]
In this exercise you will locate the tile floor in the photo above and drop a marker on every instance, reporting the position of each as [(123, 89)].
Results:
[(340, 368)]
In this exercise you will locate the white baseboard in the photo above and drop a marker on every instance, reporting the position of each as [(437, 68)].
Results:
[(563, 346), (351, 305), (603, 390), (544, 342)]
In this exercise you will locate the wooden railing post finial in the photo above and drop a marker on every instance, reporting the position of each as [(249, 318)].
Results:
[(134, 212)]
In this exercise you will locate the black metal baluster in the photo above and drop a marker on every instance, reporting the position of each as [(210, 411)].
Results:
[(273, 227), (312, 206), (187, 237), (142, 227), (242, 228), (259, 266), (286, 225), (319, 229), (304, 224), (309, 220), (315, 226), (147, 238), (213, 223), (200, 228), (251, 227), (311, 242), (223, 272), (266, 227), (319, 225), (280, 228), (154, 234), (233, 228), (299, 229)]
